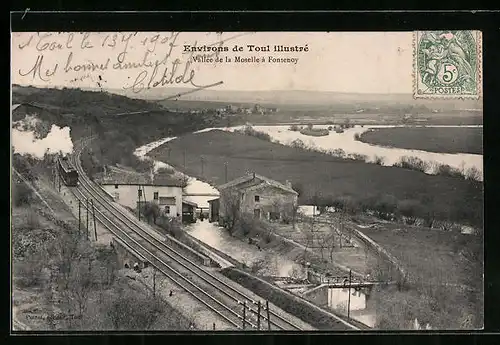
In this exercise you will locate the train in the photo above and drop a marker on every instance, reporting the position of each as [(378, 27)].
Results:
[(67, 173)]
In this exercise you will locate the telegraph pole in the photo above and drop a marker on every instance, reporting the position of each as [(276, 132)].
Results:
[(79, 216), (87, 208), (244, 313), (93, 214), (258, 316), (154, 282), (268, 317), (225, 174), (201, 158), (139, 192), (184, 160), (349, 297)]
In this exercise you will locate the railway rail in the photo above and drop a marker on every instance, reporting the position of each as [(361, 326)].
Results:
[(204, 286)]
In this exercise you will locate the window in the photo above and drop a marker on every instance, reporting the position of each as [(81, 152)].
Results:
[(167, 209), (155, 195), (257, 198), (116, 186), (166, 200)]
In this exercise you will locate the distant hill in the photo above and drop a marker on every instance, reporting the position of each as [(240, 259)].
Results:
[(297, 97), (291, 98)]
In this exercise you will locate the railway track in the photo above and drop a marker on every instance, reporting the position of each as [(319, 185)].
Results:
[(218, 296)]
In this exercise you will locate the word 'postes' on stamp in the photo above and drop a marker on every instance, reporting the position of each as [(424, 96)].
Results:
[(447, 64)]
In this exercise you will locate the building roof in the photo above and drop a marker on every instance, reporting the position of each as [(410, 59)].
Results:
[(125, 177), (187, 202), (260, 181)]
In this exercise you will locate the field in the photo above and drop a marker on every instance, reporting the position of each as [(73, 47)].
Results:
[(318, 174), (443, 140), (445, 276)]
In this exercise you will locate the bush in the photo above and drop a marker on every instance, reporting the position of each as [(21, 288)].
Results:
[(383, 205), (23, 166), (357, 137), (248, 130), (411, 210), (473, 174), (314, 132), (298, 144), (412, 163), (358, 157), (379, 160), (170, 226), (23, 195), (294, 128), (338, 153), (448, 171)]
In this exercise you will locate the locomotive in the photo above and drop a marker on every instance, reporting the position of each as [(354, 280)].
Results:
[(68, 174)]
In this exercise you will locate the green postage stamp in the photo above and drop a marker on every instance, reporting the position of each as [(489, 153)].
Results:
[(447, 64)]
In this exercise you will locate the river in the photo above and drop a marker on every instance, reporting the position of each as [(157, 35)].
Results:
[(276, 264), (346, 142)]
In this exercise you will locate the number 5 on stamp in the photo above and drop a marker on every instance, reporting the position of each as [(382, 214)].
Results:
[(447, 64)]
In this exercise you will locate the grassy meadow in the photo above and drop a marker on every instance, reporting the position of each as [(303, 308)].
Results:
[(433, 139), (205, 155)]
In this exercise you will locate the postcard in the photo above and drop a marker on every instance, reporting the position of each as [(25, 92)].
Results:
[(247, 181)]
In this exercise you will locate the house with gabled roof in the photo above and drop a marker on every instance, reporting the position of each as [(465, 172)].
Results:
[(257, 195), (133, 189)]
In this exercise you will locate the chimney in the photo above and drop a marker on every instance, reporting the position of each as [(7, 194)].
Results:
[(288, 184)]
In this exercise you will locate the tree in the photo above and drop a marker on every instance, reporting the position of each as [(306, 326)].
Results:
[(151, 211), (411, 210), (23, 195), (132, 311), (385, 206), (310, 126), (230, 208), (81, 284), (448, 171)]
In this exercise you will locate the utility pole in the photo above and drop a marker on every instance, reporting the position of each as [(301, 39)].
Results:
[(87, 208), (184, 160), (139, 192), (79, 216), (244, 313), (349, 297), (268, 317), (225, 174), (93, 214), (201, 158), (154, 282), (258, 316)]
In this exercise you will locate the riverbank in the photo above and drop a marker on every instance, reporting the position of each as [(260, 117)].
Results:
[(454, 140), (231, 155)]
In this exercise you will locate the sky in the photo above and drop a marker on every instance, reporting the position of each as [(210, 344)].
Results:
[(359, 62)]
